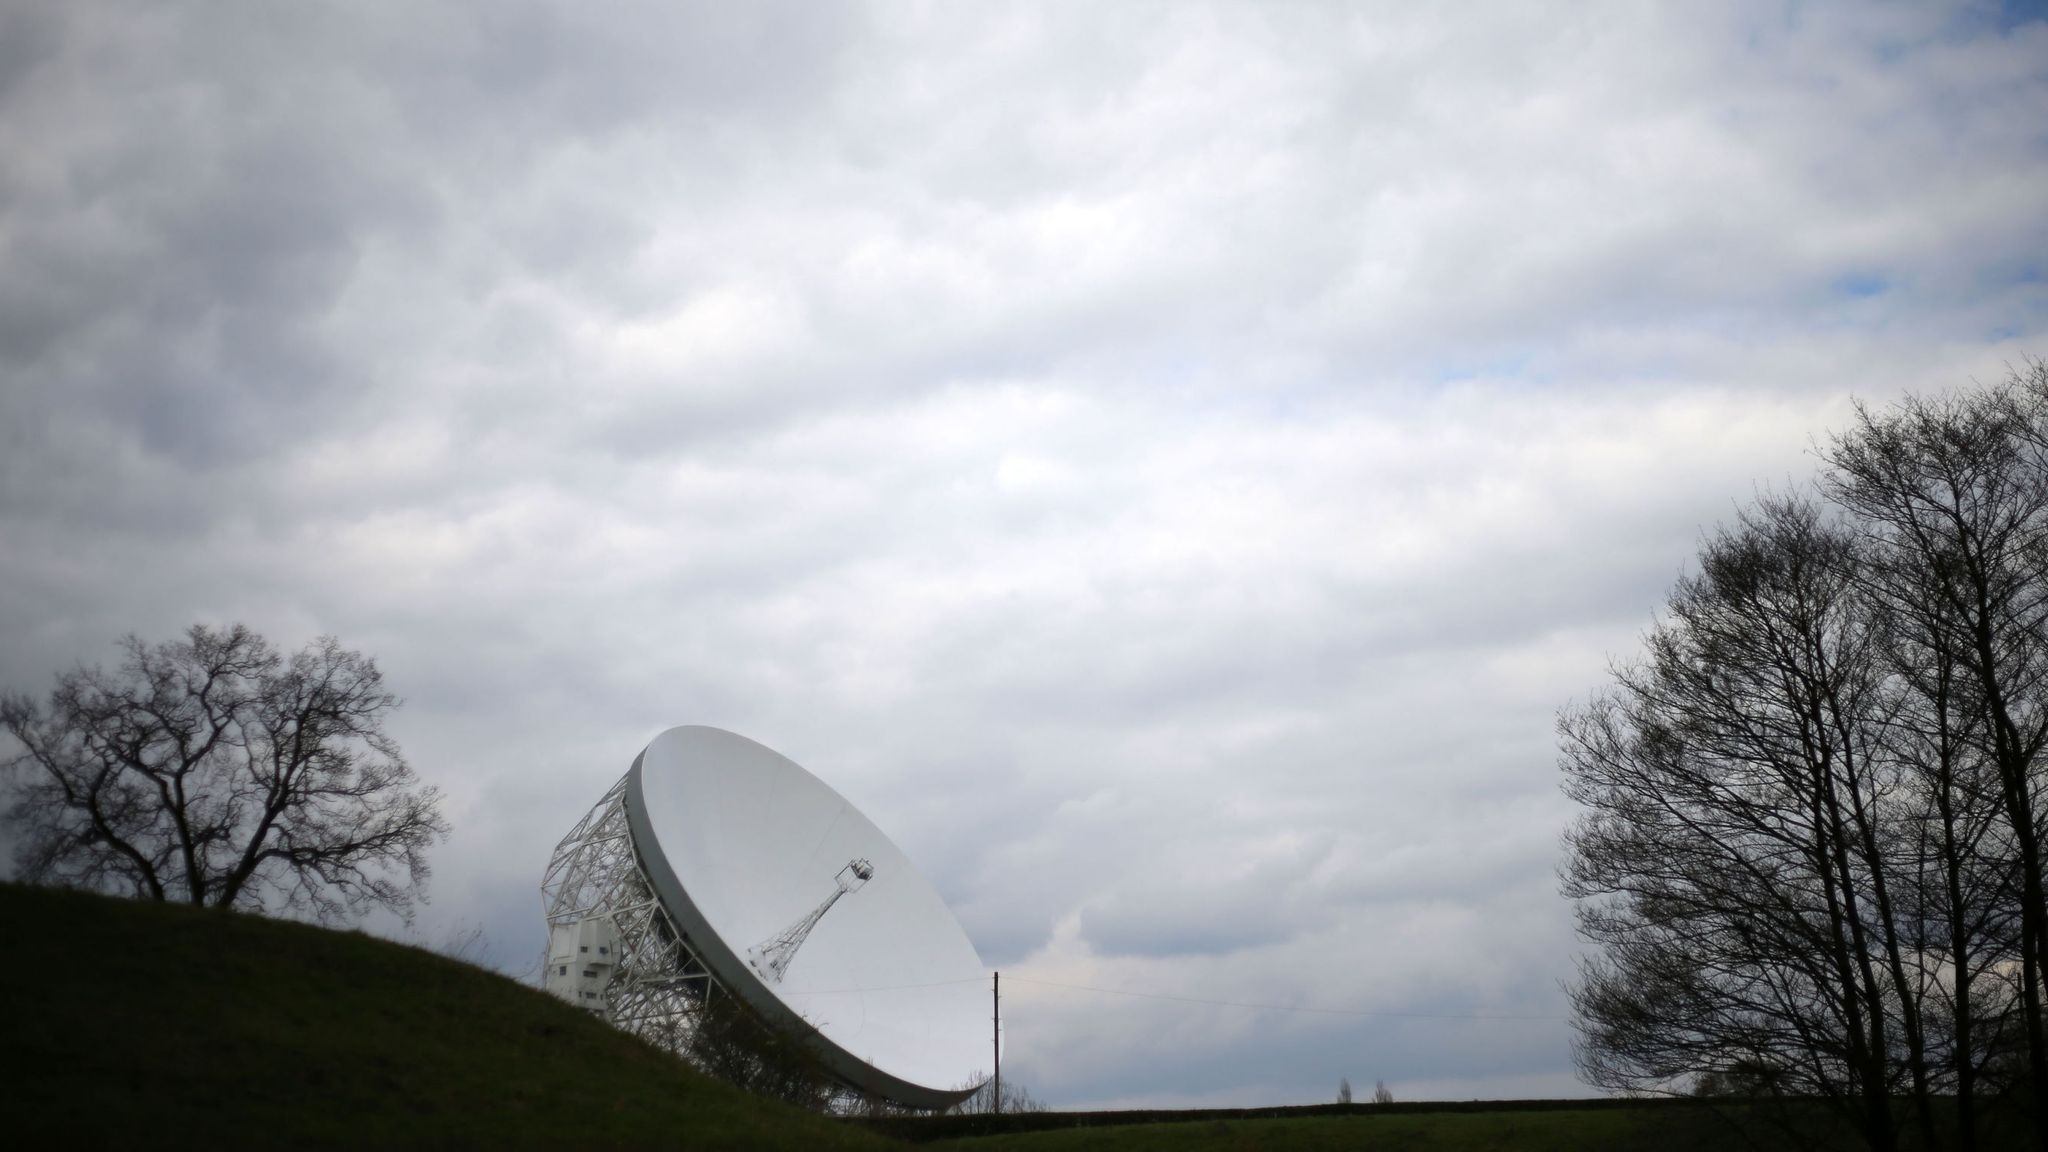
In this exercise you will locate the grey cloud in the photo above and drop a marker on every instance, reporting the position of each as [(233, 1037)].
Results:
[(1165, 465)]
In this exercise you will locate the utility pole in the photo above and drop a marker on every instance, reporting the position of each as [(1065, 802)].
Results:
[(996, 1041)]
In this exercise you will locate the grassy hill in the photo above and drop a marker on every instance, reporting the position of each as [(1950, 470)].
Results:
[(148, 1025), (1494, 1126)]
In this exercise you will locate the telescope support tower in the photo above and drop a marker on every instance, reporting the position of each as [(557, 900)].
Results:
[(771, 957), (655, 987)]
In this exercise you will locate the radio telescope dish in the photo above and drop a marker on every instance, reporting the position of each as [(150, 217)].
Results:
[(718, 866)]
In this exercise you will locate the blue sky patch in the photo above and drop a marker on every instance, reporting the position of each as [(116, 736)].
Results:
[(2013, 13)]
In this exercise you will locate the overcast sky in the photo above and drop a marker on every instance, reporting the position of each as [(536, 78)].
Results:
[(1166, 464)]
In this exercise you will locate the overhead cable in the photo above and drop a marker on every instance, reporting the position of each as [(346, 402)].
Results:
[(1470, 1016)]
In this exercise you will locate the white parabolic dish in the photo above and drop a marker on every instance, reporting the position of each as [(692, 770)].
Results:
[(740, 844)]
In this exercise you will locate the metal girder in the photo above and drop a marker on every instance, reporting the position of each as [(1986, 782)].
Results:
[(658, 987), (657, 983)]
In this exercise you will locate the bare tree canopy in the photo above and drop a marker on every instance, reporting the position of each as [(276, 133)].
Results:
[(1952, 493), (1809, 855), (214, 771), (1729, 862), (1016, 1098)]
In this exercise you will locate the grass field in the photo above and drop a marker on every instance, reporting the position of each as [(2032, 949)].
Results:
[(1674, 1125), (146, 1025), (1619, 1130), (1532, 1126)]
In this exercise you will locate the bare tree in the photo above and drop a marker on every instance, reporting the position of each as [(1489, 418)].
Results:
[(1016, 1097), (1952, 492), (1812, 848), (1344, 1090), (732, 1042), (216, 772), (1959, 906), (1381, 1094), (1732, 861)]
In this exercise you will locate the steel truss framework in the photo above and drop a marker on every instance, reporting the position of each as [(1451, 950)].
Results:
[(771, 957), (658, 986)]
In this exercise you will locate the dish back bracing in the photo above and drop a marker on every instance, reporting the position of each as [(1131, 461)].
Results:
[(716, 866)]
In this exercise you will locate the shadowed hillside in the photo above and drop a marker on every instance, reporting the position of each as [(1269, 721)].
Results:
[(133, 1024), (147, 1025)]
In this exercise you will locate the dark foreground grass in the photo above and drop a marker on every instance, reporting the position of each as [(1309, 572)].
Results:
[(1665, 1125), (1645, 1129), (132, 1025), (138, 1025)]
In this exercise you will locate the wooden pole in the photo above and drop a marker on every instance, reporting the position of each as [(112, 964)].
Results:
[(996, 1041)]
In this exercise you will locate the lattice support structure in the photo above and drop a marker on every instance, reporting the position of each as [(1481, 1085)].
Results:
[(771, 957), (655, 984), (647, 981)]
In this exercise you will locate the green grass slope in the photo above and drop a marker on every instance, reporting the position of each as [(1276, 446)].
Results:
[(130, 1025), (1562, 1130), (145, 1025)]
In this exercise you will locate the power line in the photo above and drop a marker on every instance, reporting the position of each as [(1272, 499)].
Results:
[(885, 988), (1474, 1016), (1302, 1008)]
